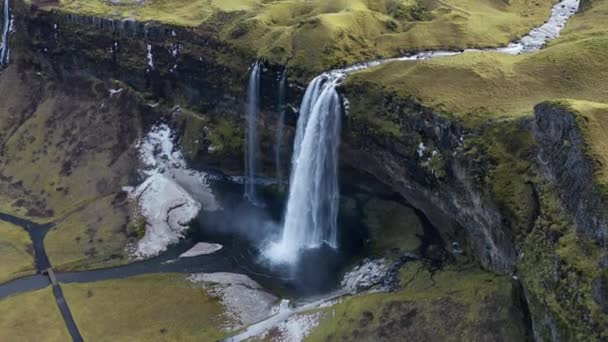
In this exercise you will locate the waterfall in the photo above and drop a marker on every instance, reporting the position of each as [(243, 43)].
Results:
[(280, 125), (251, 140), (6, 30), (312, 207)]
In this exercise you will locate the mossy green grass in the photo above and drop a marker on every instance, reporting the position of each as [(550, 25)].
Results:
[(16, 252), (156, 307), (457, 304), (93, 237), (31, 317), (312, 36)]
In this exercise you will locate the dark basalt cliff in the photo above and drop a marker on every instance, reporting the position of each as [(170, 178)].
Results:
[(507, 193), (518, 195), (563, 159)]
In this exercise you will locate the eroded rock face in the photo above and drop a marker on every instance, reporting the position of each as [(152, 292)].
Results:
[(426, 161), (562, 157)]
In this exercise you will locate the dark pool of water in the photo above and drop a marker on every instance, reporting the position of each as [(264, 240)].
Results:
[(246, 230)]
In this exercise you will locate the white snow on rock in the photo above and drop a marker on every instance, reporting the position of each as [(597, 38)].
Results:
[(202, 248), (365, 276), (171, 196), (168, 209), (245, 300), (294, 329)]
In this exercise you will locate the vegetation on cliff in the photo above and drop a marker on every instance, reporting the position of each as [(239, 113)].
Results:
[(491, 97), (65, 156), (592, 119), (456, 304), (312, 36)]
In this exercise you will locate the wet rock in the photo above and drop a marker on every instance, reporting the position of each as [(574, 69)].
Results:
[(245, 300), (599, 291), (366, 276)]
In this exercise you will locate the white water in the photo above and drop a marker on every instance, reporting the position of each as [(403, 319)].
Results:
[(6, 30), (312, 207), (150, 58), (280, 126), (251, 140)]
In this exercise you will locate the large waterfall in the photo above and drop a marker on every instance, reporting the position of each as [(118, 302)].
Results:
[(312, 206), (280, 125), (251, 140), (4, 46)]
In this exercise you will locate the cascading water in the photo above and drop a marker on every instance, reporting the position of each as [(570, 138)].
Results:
[(280, 125), (251, 140), (6, 30), (312, 207)]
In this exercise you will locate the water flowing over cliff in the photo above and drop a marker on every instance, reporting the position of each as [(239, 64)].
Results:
[(6, 31), (312, 207), (251, 141), (280, 134)]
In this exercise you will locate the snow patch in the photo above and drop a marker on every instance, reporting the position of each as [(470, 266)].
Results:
[(296, 328), (171, 196), (365, 276), (150, 58), (202, 248), (245, 300)]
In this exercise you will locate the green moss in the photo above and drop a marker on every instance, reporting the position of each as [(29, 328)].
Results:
[(557, 269), (31, 317), (145, 308), (392, 227), (592, 119), (137, 227), (62, 151), (508, 148), (452, 305), (16, 258), (312, 36), (226, 137), (93, 237)]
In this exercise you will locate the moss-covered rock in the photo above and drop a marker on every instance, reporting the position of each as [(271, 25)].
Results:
[(311, 36), (455, 304), (392, 227)]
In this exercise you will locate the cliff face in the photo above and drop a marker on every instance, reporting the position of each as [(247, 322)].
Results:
[(171, 62), (428, 159), (519, 193), (563, 159)]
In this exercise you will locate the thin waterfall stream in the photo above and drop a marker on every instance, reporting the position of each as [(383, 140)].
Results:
[(251, 140), (280, 135), (6, 31)]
